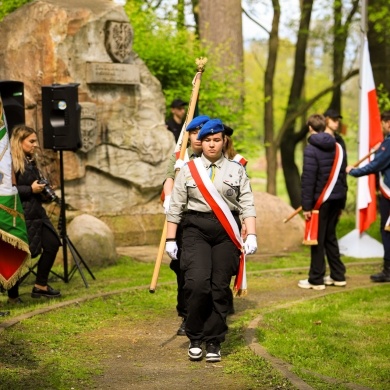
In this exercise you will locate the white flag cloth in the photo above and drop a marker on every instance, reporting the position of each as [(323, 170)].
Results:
[(370, 133)]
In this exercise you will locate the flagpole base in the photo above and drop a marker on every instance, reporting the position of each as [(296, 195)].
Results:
[(360, 246)]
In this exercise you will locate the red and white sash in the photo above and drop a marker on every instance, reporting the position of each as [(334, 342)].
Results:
[(224, 215), (240, 159), (385, 191), (311, 228)]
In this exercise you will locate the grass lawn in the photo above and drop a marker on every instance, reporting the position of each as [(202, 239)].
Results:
[(342, 336)]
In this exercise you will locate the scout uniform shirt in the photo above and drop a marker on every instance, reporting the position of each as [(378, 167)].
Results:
[(171, 165), (231, 182)]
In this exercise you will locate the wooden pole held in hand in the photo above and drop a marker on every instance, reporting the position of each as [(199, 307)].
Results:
[(357, 163), (296, 211), (200, 62)]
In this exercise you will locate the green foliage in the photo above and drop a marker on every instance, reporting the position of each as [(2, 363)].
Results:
[(8, 6), (383, 98), (170, 54)]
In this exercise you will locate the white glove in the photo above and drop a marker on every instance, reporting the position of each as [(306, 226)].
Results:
[(250, 245), (167, 200), (171, 249), (179, 164)]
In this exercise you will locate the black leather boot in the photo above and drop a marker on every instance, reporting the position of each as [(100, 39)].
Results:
[(382, 277)]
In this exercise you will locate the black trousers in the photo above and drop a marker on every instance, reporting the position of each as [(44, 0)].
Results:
[(175, 266), (209, 260), (50, 246), (384, 208), (327, 244)]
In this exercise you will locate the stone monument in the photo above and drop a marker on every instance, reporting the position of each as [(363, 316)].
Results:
[(117, 174)]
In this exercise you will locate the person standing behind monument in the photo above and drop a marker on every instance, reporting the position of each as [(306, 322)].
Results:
[(176, 120), (41, 233), (381, 164), (319, 174), (194, 150), (215, 192)]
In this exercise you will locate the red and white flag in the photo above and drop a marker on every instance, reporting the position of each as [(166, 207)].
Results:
[(370, 133)]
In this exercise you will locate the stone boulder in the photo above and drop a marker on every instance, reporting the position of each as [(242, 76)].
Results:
[(274, 236), (94, 241)]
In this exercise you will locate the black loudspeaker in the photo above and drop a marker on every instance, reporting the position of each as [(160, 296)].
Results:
[(12, 96), (61, 114)]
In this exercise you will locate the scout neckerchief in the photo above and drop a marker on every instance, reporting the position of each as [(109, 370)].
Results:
[(311, 228), (224, 215), (240, 159), (14, 249), (385, 191)]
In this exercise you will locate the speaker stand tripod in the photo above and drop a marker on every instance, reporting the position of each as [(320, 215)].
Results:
[(66, 242)]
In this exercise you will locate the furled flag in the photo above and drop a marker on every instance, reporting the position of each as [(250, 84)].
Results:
[(370, 134), (14, 248)]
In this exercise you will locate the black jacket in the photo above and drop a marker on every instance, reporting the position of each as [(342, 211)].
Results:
[(34, 212), (318, 160), (174, 127)]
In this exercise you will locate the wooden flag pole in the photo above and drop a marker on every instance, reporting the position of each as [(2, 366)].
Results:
[(292, 215), (357, 163), (200, 62)]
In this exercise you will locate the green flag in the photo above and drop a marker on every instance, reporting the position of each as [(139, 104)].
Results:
[(14, 248)]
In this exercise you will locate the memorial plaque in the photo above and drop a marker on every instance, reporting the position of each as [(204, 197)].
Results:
[(109, 73)]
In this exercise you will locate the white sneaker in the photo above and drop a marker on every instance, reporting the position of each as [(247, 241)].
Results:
[(305, 284), (328, 281), (213, 352), (195, 350)]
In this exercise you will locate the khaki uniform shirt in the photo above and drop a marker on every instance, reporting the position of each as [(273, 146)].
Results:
[(230, 180), (171, 170)]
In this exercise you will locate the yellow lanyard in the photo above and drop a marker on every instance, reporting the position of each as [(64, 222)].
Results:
[(212, 172)]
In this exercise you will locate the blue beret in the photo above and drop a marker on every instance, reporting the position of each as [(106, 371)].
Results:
[(198, 122), (213, 126)]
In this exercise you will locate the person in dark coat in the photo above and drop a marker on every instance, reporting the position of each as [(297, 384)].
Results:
[(176, 120), (318, 160), (381, 165), (42, 236)]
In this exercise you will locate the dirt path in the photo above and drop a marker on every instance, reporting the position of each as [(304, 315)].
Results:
[(153, 357)]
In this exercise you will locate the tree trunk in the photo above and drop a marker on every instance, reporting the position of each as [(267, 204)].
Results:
[(220, 27), (195, 11), (288, 142), (270, 146), (340, 36)]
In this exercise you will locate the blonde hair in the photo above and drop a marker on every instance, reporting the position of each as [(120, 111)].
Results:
[(228, 149), (19, 134)]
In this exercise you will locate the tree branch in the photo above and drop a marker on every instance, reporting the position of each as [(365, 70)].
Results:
[(255, 21), (305, 106)]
